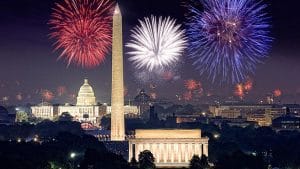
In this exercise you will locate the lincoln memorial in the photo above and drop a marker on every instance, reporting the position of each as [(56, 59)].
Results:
[(170, 148)]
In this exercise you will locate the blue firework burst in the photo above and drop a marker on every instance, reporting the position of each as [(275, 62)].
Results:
[(228, 38)]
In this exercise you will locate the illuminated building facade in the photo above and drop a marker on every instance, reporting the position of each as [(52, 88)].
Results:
[(128, 110), (45, 111), (170, 148), (86, 109)]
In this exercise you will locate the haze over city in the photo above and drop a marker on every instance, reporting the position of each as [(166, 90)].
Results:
[(29, 63)]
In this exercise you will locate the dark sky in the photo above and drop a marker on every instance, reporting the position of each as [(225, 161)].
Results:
[(28, 62)]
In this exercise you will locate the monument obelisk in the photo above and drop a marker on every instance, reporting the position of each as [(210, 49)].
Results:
[(117, 93)]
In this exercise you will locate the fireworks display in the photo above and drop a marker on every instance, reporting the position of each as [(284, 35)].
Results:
[(187, 96), (248, 85), (192, 84), (153, 96), (82, 29), (61, 90), (229, 38), (19, 97), (239, 90), (156, 43), (47, 95), (277, 93)]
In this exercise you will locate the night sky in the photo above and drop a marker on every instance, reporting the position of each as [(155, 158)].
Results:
[(28, 63)]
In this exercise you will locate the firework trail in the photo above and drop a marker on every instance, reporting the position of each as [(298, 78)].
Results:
[(82, 29), (229, 38), (156, 43), (61, 90)]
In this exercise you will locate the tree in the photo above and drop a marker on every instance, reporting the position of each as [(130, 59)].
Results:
[(195, 162), (146, 160), (199, 163), (65, 116), (133, 163), (21, 116), (204, 161)]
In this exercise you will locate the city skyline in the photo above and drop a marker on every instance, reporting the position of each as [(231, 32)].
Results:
[(29, 63)]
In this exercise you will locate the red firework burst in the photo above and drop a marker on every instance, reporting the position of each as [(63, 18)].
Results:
[(47, 95), (248, 85), (82, 29), (239, 90), (277, 93), (192, 84)]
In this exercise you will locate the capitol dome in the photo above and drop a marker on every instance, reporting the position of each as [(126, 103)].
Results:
[(86, 96)]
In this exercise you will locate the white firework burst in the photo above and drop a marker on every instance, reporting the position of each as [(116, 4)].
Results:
[(156, 43)]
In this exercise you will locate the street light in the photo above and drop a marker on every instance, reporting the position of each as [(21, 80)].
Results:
[(19, 140), (72, 155), (216, 136)]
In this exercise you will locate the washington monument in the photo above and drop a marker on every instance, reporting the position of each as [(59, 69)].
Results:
[(117, 94)]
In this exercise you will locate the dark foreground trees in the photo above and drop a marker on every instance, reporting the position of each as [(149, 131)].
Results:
[(146, 160), (199, 163), (240, 160)]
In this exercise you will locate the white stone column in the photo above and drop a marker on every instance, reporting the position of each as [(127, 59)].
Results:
[(165, 152), (161, 152), (155, 147), (189, 150), (182, 152), (185, 153), (172, 151), (197, 149), (179, 153), (130, 151), (137, 150)]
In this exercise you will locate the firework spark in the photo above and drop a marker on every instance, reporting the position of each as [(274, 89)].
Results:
[(229, 38), (19, 97), (188, 96), (156, 43), (168, 75), (277, 93), (192, 84), (61, 90), (47, 95), (153, 96), (239, 90), (248, 85), (82, 29)]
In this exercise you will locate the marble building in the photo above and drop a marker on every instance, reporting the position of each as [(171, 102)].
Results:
[(85, 110), (170, 147)]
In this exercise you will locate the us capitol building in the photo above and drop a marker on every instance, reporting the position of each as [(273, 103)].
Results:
[(85, 110)]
